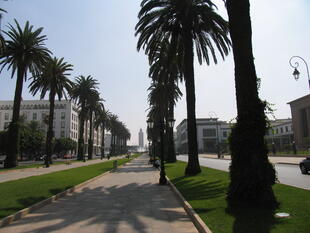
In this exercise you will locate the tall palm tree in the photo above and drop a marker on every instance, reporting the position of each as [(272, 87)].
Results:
[(113, 129), (2, 41), (25, 51), (251, 173), (165, 71), (191, 22), (82, 89), (53, 79), (93, 107), (101, 120)]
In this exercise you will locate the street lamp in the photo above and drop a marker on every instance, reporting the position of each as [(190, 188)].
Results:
[(150, 125), (170, 123), (217, 133), (296, 73)]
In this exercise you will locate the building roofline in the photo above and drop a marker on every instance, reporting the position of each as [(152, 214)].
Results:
[(296, 100)]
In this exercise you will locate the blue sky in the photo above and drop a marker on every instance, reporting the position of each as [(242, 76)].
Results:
[(97, 37)]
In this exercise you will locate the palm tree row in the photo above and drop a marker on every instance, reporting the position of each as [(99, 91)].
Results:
[(24, 52), (183, 25)]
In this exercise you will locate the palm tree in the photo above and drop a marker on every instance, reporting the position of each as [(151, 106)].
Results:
[(101, 120), (113, 129), (82, 89), (191, 22), (2, 41), (25, 51), (251, 173), (53, 79), (93, 107), (165, 72)]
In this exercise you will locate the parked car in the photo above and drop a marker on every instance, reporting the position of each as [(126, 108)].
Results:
[(304, 165), (67, 156), (40, 158)]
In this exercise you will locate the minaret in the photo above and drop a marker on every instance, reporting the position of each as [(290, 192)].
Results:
[(141, 142)]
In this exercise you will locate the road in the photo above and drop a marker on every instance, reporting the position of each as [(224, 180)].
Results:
[(287, 174)]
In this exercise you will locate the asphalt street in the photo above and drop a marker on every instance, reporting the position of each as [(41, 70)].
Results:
[(287, 174)]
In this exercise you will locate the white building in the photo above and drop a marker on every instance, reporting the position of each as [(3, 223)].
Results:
[(210, 132), (66, 120), (280, 134)]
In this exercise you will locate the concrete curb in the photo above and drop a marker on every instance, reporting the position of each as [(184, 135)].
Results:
[(199, 224), (22, 213)]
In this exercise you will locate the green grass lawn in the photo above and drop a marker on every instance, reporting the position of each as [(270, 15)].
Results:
[(206, 193), (55, 162), (19, 194)]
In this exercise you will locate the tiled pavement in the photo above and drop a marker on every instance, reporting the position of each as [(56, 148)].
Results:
[(129, 200)]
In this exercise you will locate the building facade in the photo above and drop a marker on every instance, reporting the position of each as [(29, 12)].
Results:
[(141, 139), (211, 134), (66, 120), (300, 109), (280, 135)]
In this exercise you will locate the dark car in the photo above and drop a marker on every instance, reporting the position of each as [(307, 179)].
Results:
[(305, 165)]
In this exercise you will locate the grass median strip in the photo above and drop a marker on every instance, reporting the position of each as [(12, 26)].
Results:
[(206, 193), (22, 193)]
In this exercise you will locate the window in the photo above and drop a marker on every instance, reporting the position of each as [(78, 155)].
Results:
[(224, 134), (277, 131), (62, 134), (34, 116), (6, 125), (63, 124), (6, 116), (72, 117), (63, 115), (209, 132), (286, 128), (281, 130)]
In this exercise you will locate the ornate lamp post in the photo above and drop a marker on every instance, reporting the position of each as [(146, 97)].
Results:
[(296, 73), (170, 123), (211, 115), (150, 125)]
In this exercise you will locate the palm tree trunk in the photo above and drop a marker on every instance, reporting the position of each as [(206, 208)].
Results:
[(193, 167), (251, 174), (14, 128), (102, 141), (80, 155), (49, 136), (90, 138)]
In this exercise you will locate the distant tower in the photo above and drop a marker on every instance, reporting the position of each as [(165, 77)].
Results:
[(141, 142)]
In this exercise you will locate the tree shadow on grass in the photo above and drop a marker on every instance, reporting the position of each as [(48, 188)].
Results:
[(199, 190), (252, 218)]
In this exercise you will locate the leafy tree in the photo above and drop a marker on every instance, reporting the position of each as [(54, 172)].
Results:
[(53, 79), (82, 89), (190, 22), (63, 145), (25, 51), (251, 173), (3, 141), (31, 139)]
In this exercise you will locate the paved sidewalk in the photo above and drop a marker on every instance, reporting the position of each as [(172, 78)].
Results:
[(23, 173), (272, 159), (127, 201)]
